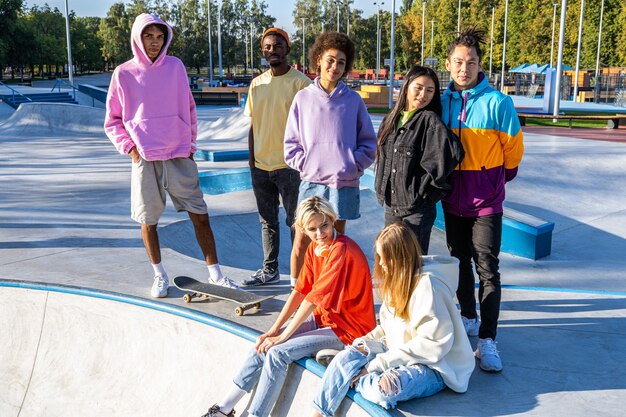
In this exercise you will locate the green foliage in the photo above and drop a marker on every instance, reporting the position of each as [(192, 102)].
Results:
[(34, 37)]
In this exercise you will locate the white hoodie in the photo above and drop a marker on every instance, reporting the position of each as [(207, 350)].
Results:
[(434, 336)]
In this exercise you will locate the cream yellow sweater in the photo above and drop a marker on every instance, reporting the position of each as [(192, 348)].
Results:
[(434, 336)]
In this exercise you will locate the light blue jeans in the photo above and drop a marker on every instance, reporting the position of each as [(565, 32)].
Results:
[(407, 382), (269, 369)]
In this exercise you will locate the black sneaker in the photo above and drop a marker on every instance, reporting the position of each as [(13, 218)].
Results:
[(261, 277), (214, 411)]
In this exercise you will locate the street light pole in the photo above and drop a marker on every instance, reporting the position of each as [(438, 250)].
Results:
[(69, 44), (251, 51), (493, 10), (210, 47), (337, 17), (219, 41), (348, 20), (303, 49), (432, 37), (559, 60), (423, 24), (458, 20), (580, 35), (553, 28), (378, 4), (506, 21), (392, 55), (599, 42)]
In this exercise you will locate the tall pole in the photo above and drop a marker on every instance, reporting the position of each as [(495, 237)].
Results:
[(337, 17), (392, 62), (219, 41), (493, 13), (210, 46), (423, 24), (378, 4), (580, 35), (348, 20), (69, 44), (458, 19), (599, 42), (432, 37), (553, 28), (303, 49), (251, 50), (559, 60), (506, 22)]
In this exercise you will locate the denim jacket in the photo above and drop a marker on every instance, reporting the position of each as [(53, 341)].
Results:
[(414, 163)]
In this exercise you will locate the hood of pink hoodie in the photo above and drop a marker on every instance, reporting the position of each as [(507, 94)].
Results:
[(141, 57)]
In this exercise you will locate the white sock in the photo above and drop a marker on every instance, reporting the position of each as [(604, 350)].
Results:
[(232, 398), (293, 281), (158, 269), (215, 274)]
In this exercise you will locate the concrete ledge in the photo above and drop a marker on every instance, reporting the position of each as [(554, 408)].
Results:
[(222, 156), (73, 349), (226, 181)]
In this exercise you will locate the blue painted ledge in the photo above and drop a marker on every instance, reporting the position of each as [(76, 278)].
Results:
[(222, 156), (522, 234)]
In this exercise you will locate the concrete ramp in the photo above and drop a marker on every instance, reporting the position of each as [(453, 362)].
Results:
[(34, 119), (69, 351), (228, 132)]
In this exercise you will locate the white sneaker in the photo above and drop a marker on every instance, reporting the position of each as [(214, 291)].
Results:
[(471, 326), (325, 356), (225, 282), (488, 355), (159, 287)]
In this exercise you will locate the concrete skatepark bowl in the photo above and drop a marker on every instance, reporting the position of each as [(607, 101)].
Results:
[(81, 337)]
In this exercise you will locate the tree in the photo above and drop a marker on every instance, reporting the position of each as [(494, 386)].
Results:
[(9, 10), (114, 33)]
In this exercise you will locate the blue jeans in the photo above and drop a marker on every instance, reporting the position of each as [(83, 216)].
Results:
[(346, 200), (407, 382), (269, 369)]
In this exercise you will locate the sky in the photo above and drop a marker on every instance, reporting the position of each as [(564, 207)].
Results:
[(280, 9)]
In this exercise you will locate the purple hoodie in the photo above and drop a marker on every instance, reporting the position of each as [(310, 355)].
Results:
[(149, 104), (329, 138)]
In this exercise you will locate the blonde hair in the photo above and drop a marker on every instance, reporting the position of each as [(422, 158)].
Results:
[(311, 206), (403, 267)]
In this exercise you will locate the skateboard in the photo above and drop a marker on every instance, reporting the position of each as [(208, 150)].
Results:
[(245, 299)]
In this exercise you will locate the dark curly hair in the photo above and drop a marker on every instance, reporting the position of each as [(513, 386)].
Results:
[(332, 40), (470, 38)]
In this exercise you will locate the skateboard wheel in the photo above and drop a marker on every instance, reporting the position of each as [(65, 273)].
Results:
[(239, 311), (257, 305), (187, 298)]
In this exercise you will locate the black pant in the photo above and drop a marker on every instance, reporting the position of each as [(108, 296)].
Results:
[(420, 222), (478, 239), (267, 187)]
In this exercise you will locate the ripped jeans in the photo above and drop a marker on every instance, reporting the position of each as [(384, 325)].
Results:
[(403, 382)]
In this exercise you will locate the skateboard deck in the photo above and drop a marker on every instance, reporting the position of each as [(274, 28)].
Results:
[(245, 300)]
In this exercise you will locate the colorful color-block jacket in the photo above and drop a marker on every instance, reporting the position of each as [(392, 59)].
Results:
[(486, 122)]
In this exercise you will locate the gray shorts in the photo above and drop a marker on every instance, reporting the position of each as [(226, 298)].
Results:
[(150, 180)]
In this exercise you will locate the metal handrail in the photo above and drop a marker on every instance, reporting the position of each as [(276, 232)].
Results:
[(60, 81), (13, 92)]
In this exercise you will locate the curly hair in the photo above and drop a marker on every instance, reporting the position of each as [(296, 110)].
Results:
[(332, 40), (470, 38)]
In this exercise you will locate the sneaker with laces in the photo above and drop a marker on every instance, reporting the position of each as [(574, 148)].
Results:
[(471, 326), (488, 355), (325, 356), (225, 282), (159, 286), (260, 277), (214, 411)]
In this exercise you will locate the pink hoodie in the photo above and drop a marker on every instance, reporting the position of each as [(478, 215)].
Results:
[(149, 104)]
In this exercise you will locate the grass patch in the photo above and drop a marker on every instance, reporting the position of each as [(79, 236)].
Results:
[(378, 110), (585, 124)]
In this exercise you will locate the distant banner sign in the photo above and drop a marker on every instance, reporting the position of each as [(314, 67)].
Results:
[(387, 62)]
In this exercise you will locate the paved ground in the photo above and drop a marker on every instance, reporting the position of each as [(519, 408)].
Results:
[(64, 203)]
